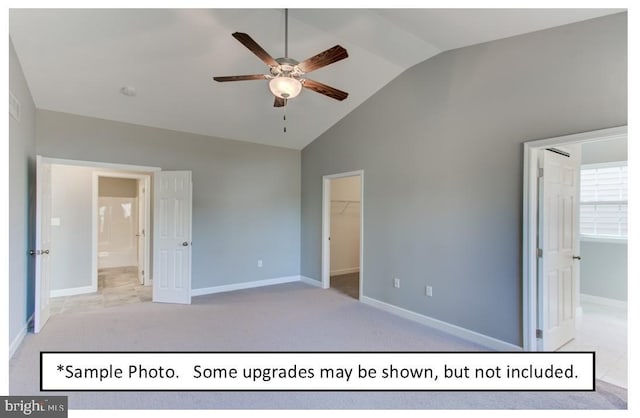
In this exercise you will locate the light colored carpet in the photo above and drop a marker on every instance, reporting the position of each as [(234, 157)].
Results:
[(291, 317)]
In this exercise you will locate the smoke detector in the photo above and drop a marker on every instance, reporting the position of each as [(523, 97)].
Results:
[(128, 91)]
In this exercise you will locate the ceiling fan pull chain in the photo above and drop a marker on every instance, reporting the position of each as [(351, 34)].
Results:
[(284, 114)]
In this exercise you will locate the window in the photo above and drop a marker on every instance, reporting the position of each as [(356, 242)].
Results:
[(603, 200)]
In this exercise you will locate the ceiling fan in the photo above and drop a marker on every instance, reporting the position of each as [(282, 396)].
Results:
[(287, 76)]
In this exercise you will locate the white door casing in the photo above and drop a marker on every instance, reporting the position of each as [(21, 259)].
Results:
[(141, 231), (558, 273), (172, 237), (42, 252)]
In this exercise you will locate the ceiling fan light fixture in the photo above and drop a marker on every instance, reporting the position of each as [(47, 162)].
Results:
[(285, 87)]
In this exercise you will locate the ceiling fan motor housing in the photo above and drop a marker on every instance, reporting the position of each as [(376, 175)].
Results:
[(286, 66)]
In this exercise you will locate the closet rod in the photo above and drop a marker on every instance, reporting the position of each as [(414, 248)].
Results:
[(346, 204)]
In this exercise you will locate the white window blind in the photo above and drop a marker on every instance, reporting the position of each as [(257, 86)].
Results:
[(603, 200)]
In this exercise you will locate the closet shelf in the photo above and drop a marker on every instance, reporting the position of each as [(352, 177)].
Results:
[(346, 204)]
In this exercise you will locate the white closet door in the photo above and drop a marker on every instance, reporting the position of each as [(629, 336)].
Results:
[(172, 237)]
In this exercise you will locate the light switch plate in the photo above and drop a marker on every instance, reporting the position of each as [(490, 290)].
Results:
[(14, 107)]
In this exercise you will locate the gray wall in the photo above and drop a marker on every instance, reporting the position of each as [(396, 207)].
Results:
[(71, 202), (603, 269), (441, 149), (21, 172), (246, 197), (117, 187)]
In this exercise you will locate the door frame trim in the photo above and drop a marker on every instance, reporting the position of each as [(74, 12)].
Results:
[(326, 228), (101, 165), (40, 316), (530, 221), (94, 225)]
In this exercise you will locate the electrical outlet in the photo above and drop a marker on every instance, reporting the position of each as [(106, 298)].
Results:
[(428, 291), (396, 283), (259, 263)]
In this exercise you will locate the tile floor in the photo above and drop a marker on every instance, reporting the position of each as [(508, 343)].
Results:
[(116, 286), (603, 329)]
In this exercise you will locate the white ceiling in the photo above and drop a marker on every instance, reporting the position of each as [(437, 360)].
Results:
[(77, 60)]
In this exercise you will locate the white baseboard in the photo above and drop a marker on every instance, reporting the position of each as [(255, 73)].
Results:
[(15, 344), (245, 285), (344, 271), (310, 281), (72, 291), (612, 303), (464, 333)]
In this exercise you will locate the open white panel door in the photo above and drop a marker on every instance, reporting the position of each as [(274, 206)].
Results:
[(558, 242), (43, 245), (172, 237)]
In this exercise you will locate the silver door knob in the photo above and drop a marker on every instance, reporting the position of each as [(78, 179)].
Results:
[(45, 252), (185, 244)]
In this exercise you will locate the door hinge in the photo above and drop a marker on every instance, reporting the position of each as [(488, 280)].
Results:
[(538, 333), (539, 252), (142, 273), (540, 172)]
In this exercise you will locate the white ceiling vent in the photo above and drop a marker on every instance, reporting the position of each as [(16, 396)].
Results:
[(14, 107)]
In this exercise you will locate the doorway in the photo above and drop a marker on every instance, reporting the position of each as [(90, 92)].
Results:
[(66, 250), (342, 254), (122, 214), (596, 328), (99, 246)]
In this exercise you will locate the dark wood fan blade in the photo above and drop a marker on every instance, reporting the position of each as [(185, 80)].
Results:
[(324, 89), (279, 102), (253, 46), (240, 77), (324, 58)]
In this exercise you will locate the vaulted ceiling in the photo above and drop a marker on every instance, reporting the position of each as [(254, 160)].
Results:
[(78, 60)]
